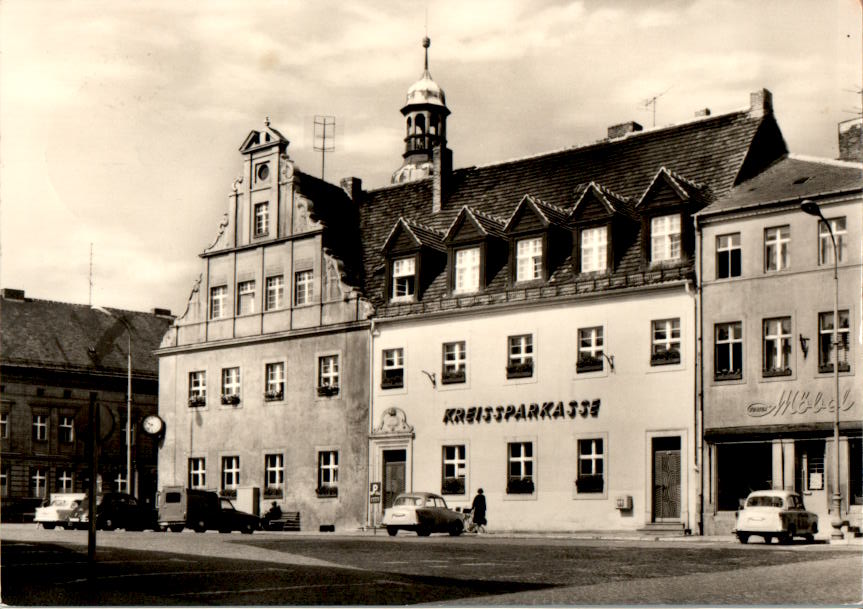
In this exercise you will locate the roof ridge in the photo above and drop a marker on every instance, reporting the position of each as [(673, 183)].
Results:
[(556, 208), (413, 222), (825, 161), (79, 304), (680, 178), (486, 215)]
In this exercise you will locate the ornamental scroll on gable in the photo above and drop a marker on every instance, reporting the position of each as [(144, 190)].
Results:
[(304, 209), (393, 423)]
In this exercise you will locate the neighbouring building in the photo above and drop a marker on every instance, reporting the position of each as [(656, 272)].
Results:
[(767, 299), (535, 320), (264, 378), (53, 355)]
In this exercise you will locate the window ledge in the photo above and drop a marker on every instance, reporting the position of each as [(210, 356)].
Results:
[(728, 376), (775, 373)]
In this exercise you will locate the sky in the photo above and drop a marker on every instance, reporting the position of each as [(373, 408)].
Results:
[(120, 122)]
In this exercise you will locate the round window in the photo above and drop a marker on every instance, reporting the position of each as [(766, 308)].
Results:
[(263, 171)]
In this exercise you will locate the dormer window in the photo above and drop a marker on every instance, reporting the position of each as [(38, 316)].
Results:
[(404, 279), (594, 249), (467, 270), (665, 238), (529, 259)]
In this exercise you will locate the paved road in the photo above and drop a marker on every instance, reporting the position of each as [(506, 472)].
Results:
[(50, 568)]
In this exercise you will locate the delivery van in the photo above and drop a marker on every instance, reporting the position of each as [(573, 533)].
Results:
[(201, 510)]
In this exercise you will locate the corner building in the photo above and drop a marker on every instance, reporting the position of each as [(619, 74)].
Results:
[(534, 330), (264, 378)]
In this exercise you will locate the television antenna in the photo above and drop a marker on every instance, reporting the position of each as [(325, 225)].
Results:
[(650, 103), (325, 137)]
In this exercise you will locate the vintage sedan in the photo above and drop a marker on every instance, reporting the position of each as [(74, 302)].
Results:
[(115, 511), (778, 514), (424, 513), (57, 512)]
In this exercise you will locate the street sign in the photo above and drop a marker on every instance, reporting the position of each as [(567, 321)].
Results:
[(374, 492)]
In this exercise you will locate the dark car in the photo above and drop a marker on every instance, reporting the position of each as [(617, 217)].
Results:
[(424, 513), (115, 511), (232, 519)]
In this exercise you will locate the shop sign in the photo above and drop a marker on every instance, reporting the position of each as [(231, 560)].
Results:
[(798, 403), (374, 492), (523, 412)]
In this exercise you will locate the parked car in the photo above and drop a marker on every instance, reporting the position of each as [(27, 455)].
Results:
[(424, 513), (115, 511), (202, 510), (778, 514), (57, 512)]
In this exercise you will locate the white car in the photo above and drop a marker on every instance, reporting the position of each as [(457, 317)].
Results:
[(58, 510), (778, 514), (423, 513)]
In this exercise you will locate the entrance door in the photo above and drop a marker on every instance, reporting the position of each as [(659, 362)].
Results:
[(810, 477), (666, 479), (394, 475)]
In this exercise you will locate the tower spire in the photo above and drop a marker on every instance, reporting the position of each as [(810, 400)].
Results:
[(426, 45)]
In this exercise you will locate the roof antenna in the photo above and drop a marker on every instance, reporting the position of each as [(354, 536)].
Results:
[(90, 303), (325, 137), (426, 39), (650, 102)]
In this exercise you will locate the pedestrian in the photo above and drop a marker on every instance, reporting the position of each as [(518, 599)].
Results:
[(478, 512)]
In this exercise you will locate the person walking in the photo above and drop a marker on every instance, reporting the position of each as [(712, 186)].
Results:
[(478, 512)]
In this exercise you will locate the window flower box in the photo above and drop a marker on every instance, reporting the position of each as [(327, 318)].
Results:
[(328, 390), (520, 370), (519, 486), (230, 493), (452, 486), (393, 379), (776, 372), (728, 375), (843, 367), (454, 376), (230, 398), (327, 491), (664, 358), (196, 401), (272, 396), (273, 492), (593, 483), (588, 363)]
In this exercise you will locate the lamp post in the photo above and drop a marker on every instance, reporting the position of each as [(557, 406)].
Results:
[(128, 397), (812, 208)]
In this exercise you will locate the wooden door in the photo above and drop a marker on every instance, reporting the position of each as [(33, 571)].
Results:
[(394, 475), (666, 479)]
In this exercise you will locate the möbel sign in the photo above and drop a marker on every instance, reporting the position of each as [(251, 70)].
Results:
[(523, 412)]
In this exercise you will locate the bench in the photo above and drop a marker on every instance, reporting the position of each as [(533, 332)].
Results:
[(288, 521)]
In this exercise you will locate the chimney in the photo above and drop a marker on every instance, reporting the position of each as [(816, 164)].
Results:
[(13, 294), (760, 103), (616, 131), (352, 186), (161, 312), (702, 112), (442, 166), (850, 144)]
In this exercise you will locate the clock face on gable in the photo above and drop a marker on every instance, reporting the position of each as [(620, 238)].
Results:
[(153, 424)]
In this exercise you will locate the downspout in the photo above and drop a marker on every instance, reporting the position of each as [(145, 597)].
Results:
[(699, 375), (369, 514)]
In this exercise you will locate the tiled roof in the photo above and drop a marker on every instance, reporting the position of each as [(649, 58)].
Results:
[(710, 152), (615, 202), (792, 178), (60, 335)]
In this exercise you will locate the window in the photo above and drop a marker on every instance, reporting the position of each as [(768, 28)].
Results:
[(198, 388), (520, 359), (262, 172), (590, 466), (274, 474), (38, 483), (777, 347), (303, 287), (728, 256), (197, 473), (245, 297), (393, 371), (665, 347), (275, 292), (66, 429), (328, 375), (776, 248), (728, 351), (454, 362), (826, 357), (262, 219), (4, 481), (528, 259), (520, 468), (40, 427), (218, 296), (4, 425), (454, 468), (594, 249), (275, 381), (825, 245), (65, 481), (230, 475), (467, 270), (590, 350), (328, 473), (665, 238), (404, 279), (231, 386)]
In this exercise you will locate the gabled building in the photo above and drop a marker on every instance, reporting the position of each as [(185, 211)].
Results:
[(53, 356), (264, 377)]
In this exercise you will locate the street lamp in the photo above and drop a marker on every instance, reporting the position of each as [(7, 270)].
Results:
[(812, 208), (128, 398)]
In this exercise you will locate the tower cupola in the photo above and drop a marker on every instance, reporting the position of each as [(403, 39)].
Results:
[(425, 115)]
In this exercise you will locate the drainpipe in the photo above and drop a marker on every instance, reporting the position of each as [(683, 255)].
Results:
[(369, 511), (699, 375)]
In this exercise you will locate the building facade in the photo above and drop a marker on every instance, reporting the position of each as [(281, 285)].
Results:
[(264, 378), (54, 356), (766, 334)]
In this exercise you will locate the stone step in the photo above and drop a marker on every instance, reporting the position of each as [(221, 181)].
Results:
[(668, 529)]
